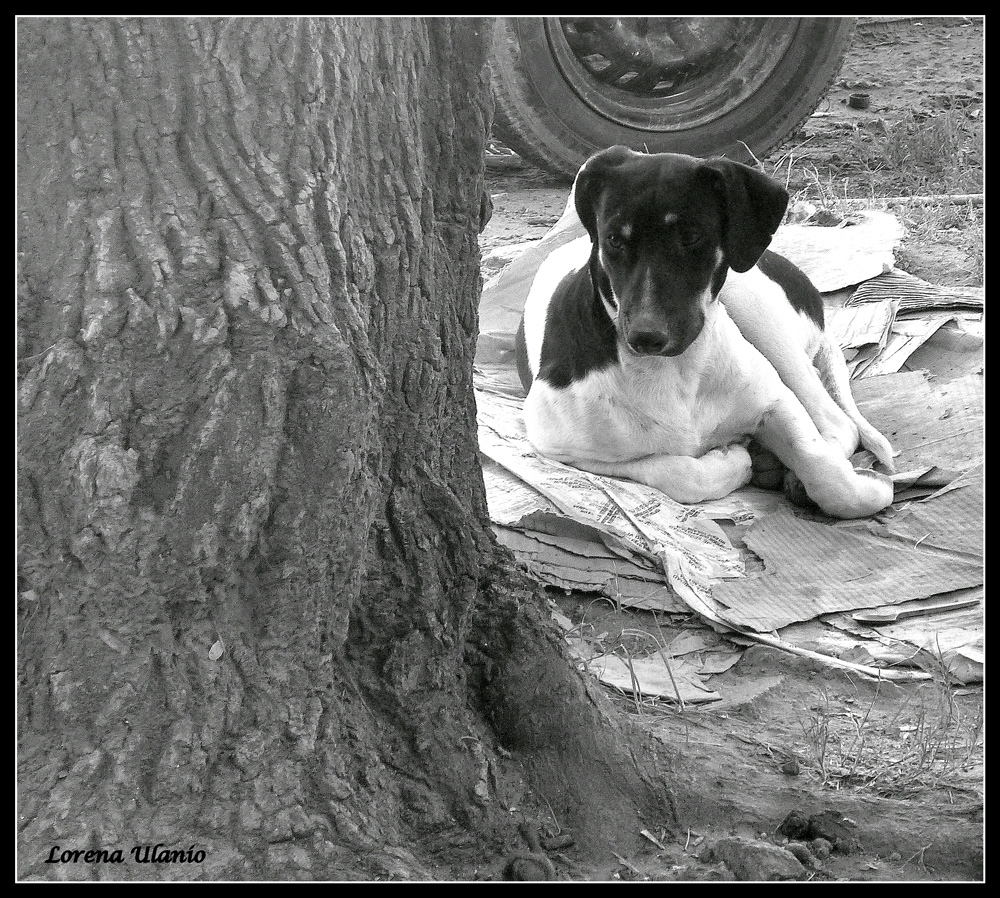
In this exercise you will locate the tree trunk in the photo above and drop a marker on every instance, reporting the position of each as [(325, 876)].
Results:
[(263, 623)]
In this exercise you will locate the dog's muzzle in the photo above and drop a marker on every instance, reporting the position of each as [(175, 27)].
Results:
[(649, 338), (649, 343)]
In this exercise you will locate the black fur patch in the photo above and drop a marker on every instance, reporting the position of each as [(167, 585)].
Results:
[(579, 335), (802, 295)]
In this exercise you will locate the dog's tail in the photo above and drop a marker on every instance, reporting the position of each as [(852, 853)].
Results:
[(833, 371)]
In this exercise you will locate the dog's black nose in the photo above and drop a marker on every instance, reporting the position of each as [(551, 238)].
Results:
[(648, 343)]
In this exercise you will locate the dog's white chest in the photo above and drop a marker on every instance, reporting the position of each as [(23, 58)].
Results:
[(687, 405)]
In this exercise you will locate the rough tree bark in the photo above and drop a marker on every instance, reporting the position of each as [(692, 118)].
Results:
[(261, 613)]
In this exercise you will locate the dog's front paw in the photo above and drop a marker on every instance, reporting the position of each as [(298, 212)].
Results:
[(854, 493), (711, 476), (877, 491), (734, 468)]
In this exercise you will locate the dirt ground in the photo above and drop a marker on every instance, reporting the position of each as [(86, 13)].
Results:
[(793, 739)]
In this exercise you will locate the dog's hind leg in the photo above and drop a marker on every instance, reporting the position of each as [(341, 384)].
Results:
[(825, 473), (829, 361), (790, 343)]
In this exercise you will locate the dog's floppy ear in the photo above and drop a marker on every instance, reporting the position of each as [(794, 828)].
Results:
[(754, 206), (587, 185)]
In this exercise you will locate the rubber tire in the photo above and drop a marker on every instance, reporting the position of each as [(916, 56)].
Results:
[(541, 118)]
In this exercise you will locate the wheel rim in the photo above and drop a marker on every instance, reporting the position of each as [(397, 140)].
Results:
[(667, 74)]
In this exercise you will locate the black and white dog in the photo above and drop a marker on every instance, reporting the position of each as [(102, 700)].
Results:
[(659, 345)]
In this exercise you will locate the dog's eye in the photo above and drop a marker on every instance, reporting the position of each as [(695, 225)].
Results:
[(615, 241), (689, 236)]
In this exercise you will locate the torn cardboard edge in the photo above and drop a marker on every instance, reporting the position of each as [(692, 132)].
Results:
[(676, 671), (813, 569), (946, 646)]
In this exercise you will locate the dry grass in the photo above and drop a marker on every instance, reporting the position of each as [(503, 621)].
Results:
[(629, 636), (961, 225), (927, 167), (922, 154), (931, 741)]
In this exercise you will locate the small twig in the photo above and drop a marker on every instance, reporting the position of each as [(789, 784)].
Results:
[(752, 155), (919, 853), (954, 199), (555, 819), (661, 648), (625, 863), (37, 355), (646, 834), (636, 688)]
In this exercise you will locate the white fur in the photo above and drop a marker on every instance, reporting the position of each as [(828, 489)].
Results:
[(685, 440), (805, 359), (627, 410)]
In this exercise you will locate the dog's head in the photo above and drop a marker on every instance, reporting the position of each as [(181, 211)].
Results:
[(665, 230)]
